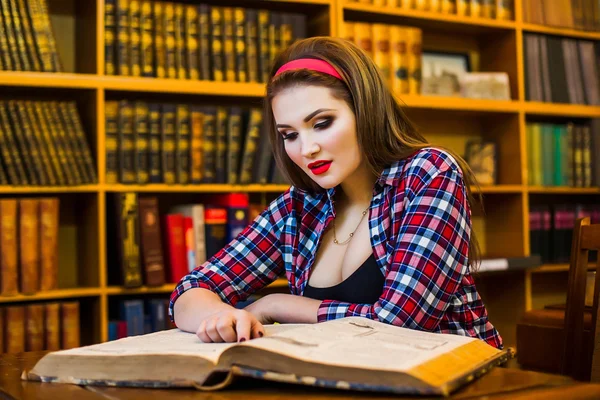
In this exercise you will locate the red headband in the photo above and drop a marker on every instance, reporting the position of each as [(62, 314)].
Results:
[(312, 64)]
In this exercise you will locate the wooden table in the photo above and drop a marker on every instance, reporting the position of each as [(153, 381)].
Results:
[(500, 383)]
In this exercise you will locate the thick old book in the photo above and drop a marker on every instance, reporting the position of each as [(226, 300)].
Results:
[(350, 353)]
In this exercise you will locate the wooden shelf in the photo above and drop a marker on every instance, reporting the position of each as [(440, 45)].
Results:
[(567, 32), (197, 188), (426, 19), (562, 190), (509, 189), (182, 86), (548, 268), (53, 295), (459, 104), (48, 189), (169, 287), (561, 110), (48, 79)]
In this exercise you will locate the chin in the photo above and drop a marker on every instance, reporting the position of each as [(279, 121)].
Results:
[(326, 182)]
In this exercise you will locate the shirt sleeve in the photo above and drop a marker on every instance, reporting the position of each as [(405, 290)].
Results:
[(248, 263), (429, 258)]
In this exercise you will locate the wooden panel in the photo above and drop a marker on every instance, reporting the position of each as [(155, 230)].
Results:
[(87, 243), (499, 54), (504, 225)]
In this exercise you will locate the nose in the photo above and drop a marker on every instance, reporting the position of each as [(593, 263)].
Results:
[(309, 148)]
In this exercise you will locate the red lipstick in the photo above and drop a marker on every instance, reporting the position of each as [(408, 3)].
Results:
[(319, 167)]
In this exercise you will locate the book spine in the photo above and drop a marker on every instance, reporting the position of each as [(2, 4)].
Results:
[(155, 142), (67, 142), (199, 233), (40, 143), (251, 47), (26, 131), (40, 34), (43, 7), (251, 143), (209, 145), (6, 155), (109, 37), (169, 39), (142, 142), (204, 42), (111, 114), (34, 327), (168, 143), (175, 246), (191, 42), (49, 213), (19, 36), (126, 143), (234, 143), (241, 58), (15, 152), (48, 142), (23, 148), (182, 142), (88, 161), (150, 243), (29, 246), (221, 145), (216, 40), (122, 24), (160, 55), (58, 141), (180, 46), (228, 44), (14, 334), (197, 133), (134, 45), (189, 242), (52, 326), (28, 36), (9, 247), (128, 232), (13, 49), (5, 56), (146, 34), (70, 332)]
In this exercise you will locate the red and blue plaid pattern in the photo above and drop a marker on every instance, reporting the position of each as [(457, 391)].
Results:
[(420, 223)]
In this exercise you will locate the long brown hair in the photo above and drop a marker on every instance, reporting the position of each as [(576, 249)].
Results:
[(385, 134)]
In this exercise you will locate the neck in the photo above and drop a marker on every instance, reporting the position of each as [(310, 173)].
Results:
[(357, 190)]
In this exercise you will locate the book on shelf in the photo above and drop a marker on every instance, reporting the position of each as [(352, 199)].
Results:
[(39, 326), (574, 14), (350, 353)]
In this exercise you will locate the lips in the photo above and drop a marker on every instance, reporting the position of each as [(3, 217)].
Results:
[(319, 167)]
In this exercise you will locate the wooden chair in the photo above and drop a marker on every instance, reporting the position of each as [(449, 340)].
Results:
[(566, 339)]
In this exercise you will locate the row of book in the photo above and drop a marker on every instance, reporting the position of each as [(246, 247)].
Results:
[(561, 70), (499, 9), (29, 245), (39, 326), (563, 154), (139, 317), (26, 38), (574, 14), (395, 49), (184, 41), (43, 143), (153, 245), (181, 143), (551, 228)]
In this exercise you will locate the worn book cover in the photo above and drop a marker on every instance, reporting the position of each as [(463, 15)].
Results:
[(351, 353)]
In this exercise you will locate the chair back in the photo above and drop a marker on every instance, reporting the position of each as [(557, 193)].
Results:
[(575, 362)]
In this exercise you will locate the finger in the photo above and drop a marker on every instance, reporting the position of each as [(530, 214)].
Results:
[(225, 328), (211, 331), (242, 327), (201, 333), (257, 330)]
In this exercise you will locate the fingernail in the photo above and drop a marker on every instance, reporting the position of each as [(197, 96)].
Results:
[(243, 339), (260, 334)]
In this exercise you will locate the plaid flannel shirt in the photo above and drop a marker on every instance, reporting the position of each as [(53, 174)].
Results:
[(419, 222)]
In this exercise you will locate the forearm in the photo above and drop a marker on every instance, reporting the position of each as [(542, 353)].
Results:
[(195, 305), (287, 308)]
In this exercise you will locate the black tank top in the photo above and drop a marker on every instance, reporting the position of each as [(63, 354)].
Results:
[(364, 286)]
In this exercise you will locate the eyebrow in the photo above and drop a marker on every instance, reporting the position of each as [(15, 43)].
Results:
[(308, 117)]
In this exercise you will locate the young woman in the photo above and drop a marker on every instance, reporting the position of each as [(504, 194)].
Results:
[(376, 223)]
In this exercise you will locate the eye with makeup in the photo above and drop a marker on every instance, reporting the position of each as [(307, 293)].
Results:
[(319, 126)]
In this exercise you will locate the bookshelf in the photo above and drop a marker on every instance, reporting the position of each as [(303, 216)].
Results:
[(497, 45)]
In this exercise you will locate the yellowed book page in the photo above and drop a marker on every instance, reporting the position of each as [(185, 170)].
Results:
[(362, 343)]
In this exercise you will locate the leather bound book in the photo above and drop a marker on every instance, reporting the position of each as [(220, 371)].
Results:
[(52, 326), (128, 239), (49, 213), (14, 329), (34, 327), (150, 241), (69, 314), (8, 247), (28, 245)]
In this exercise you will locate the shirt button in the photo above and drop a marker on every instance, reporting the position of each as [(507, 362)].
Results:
[(376, 237)]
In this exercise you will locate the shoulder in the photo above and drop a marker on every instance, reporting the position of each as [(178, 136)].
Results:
[(420, 168)]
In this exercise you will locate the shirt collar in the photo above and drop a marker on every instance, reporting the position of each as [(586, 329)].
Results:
[(392, 174)]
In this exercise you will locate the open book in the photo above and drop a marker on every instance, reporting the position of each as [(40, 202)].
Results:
[(349, 353)]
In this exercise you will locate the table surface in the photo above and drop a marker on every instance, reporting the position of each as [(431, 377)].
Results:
[(499, 383)]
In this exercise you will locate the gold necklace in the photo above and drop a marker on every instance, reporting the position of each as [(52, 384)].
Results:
[(352, 233)]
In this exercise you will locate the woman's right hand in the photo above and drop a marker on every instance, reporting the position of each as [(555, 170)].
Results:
[(230, 325)]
